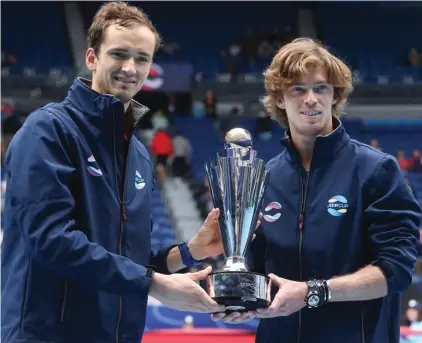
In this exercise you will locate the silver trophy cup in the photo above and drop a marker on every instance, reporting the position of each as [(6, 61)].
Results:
[(237, 180)]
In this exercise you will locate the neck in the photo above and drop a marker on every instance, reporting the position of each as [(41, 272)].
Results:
[(97, 88), (304, 146)]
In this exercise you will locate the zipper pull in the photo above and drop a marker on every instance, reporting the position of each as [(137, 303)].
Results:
[(123, 211), (301, 221)]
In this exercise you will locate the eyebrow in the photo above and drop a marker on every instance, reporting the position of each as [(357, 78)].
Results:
[(304, 84)]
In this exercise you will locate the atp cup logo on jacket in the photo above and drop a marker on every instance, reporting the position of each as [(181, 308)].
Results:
[(139, 181), (273, 215), (337, 206)]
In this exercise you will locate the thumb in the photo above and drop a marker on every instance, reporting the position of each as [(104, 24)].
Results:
[(212, 217), (275, 279), (201, 275)]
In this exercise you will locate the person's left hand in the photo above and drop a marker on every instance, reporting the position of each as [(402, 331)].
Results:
[(289, 299), (207, 242)]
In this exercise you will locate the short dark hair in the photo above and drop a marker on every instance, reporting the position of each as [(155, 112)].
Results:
[(120, 13)]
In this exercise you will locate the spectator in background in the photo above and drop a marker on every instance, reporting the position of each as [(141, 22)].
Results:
[(413, 313), (415, 162), (264, 126), (162, 147), (415, 58), (4, 145), (250, 42), (8, 59), (5, 140), (265, 49), (375, 144), (159, 121), (182, 153), (229, 122), (170, 47), (210, 104), (401, 159), (10, 120)]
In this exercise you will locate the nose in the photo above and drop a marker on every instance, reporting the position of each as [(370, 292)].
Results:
[(129, 66), (310, 99)]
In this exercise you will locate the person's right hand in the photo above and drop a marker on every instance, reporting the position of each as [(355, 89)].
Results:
[(181, 292), (234, 317)]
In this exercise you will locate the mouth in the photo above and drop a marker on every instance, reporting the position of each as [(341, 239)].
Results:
[(311, 113), (125, 80)]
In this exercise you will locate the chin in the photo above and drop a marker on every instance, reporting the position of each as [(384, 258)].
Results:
[(124, 96)]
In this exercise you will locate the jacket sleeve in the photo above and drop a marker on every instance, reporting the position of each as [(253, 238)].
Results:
[(392, 219), (158, 260), (41, 175)]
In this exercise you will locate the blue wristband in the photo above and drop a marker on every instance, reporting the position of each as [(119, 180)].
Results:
[(187, 258)]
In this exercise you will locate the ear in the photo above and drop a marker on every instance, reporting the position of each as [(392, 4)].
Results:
[(91, 59), (280, 105)]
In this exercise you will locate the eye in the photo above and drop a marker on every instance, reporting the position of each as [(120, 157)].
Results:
[(298, 90), (118, 54), (142, 59), (322, 88)]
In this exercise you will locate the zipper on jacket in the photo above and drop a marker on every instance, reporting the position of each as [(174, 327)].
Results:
[(64, 301), (303, 190), (122, 215), (362, 327)]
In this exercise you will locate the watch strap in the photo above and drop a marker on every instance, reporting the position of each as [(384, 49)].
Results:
[(187, 258)]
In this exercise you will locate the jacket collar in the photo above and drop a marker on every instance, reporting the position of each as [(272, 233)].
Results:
[(325, 146), (88, 101)]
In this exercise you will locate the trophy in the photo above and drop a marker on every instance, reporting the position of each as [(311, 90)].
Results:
[(237, 180)]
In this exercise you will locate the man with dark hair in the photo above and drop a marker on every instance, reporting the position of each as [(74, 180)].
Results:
[(77, 264)]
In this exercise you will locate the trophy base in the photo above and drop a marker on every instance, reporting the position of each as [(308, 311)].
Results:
[(239, 291)]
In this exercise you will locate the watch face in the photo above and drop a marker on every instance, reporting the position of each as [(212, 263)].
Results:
[(313, 300)]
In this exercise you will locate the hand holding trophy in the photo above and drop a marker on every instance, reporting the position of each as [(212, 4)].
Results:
[(237, 180)]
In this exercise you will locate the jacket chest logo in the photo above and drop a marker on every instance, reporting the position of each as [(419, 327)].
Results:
[(139, 181), (271, 213), (337, 206), (93, 167)]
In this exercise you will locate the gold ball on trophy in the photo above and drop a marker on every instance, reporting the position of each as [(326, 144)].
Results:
[(238, 137)]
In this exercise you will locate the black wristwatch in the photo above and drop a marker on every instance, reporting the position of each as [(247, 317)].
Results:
[(313, 298), (150, 271)]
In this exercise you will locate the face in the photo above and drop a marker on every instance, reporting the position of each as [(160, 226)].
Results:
[(123, 61), (308, 104), (412, 314), (374, 143)]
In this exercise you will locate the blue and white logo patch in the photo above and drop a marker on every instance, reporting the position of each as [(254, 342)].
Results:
[(139, 181), (337, 206)]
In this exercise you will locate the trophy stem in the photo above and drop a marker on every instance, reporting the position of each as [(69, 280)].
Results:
[(235, 263)]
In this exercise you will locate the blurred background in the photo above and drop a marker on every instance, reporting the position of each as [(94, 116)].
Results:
[(206, 79)]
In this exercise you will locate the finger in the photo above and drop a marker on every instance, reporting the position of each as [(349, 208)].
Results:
[(209, 303), (253, 237), (277, 303), (217, 316), (244, 317), (229, 318), (200, 275), (267, 315)]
